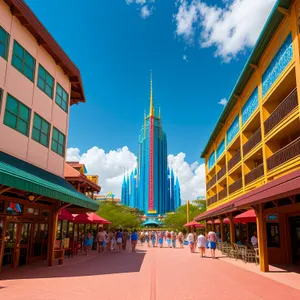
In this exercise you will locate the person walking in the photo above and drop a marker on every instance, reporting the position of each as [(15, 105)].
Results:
[(153, 238), (160, 239), (168, 237), (134, 239), (212, 243), (88, 242), (191, 242), (128, 242), (201, 243), (147, 238), (180, 239), (119, 237), (100, 240), (173, 238)]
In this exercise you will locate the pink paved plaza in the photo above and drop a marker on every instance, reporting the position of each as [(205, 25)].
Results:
[(149, 274)]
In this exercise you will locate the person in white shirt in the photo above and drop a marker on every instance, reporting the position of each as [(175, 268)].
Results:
[(254, 240), (191, 241), (201, 243)]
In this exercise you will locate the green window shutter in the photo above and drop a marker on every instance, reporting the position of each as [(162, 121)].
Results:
[(23, 61), (62, 97), (17, 115), (45, 81), (1, 97), (58, 142), (4, 43), (40, 130)]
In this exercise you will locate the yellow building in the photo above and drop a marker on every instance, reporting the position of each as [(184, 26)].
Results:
[(252, 157)]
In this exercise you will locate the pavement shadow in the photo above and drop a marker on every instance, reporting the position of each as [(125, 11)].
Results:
[(285, 269), (93, 265)]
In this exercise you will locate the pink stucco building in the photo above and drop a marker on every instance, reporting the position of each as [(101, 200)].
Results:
[(38, 84)]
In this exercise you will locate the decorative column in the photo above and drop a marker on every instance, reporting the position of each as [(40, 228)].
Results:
[(232, 229), (262, 239), (52, 236), (221, 229)]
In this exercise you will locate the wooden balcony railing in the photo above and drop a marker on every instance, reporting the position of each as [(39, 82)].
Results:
[(211, 182), (234, 160), (252, 142), (284, 154), (221, 173), (222, 194), (254, 174), (212, 200), (282, 110), (235, 186)]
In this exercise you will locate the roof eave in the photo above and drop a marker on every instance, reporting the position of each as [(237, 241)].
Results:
[(253, 59)]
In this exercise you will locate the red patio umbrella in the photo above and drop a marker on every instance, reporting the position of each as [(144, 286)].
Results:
[(90, 218), (217, 221), (65, 215), (246, 217), (194, 224)]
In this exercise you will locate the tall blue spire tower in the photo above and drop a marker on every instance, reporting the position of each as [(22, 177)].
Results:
[(151, 187)]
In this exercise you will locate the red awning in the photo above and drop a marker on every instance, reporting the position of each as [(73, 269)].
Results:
[(90, 218), (246, 217), (194, 224), (65, 215), (217, 221)]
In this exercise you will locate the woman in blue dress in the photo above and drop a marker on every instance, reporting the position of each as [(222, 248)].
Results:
[(153, 239), (88, 242)]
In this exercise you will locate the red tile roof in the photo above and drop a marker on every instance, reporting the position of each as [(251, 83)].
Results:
[(72, 174), (29, 20)]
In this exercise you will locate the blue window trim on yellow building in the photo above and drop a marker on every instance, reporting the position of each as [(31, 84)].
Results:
[(220, 149), (211, 160), (17, 115), (280, 61), (250, 106), (4, 43), (23, 61), (233, 130)]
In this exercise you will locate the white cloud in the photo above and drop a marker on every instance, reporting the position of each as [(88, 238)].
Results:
[(191, 176), (185, 58), (145, 7), (110, 167), (145, 12), (230, 29), (223, 101)]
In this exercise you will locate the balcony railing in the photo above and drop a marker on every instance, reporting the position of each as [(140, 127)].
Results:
[(211, 182), (252, 142), (234, 160), (284, 154), (254, 174), (223, 194), (221, 173), (235, 186), (212, 200), (282, 110)]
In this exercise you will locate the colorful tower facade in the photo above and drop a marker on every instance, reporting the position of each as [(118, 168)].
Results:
[(151, 187)]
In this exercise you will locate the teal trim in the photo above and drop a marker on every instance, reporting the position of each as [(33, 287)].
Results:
[(280, 61), (220, 149), (21, 175), (233, 130), (211, 160), (250, 106), (263, 41)]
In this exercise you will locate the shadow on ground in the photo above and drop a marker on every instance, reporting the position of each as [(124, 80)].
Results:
[(92, 265)]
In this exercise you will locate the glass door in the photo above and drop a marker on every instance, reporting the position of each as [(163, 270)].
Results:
[(24, 243), (10, 244), (40, 241)]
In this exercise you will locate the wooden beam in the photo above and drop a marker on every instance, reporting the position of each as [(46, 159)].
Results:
[(275, 202), (262, 240), (15, 12), (253, 66), (284, 11), (236, 96), (293, 199), (74, 79), (5, 189)]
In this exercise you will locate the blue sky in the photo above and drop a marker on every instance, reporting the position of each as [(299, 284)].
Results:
[(115, 48)]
